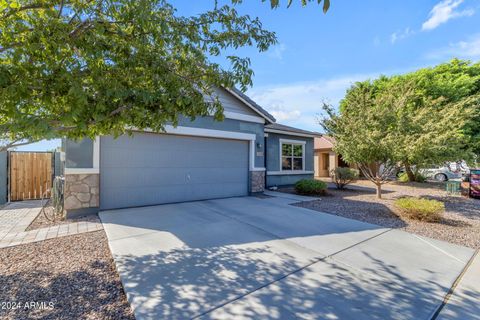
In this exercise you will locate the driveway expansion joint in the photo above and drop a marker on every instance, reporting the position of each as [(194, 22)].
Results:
[(457, 281)]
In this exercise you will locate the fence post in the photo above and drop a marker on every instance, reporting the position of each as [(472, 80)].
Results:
[(3, 177)]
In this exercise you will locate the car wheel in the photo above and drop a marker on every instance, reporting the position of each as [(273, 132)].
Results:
[(440, 177)]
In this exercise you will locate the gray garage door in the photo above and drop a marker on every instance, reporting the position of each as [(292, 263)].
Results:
[(149, 169)]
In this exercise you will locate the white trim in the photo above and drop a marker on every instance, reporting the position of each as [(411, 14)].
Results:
[(82, 170), (249, 104), (293, 142), (96, 152), (187, 131), (243, 117), (200, 132), (286, 173), (289, 133)]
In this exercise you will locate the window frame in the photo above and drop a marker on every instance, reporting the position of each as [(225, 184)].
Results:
[(292, 143)]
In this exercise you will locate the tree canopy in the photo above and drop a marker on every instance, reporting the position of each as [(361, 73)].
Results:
[(78, 68), (395, 120), (455, 82)]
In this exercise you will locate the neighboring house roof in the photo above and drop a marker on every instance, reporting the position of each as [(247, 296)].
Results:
[(324, 142), (252, 104), (280, 128)]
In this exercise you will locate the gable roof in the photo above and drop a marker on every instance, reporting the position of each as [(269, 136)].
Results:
[(281, 128), (252, 104), (271, 125)]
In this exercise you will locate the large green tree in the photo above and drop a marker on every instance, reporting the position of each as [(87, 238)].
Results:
[(381, 125), (438, 119), (457, 81), (364, 133), (442, 95), (78, 68)]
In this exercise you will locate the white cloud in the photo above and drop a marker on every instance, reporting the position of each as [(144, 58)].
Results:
[(281, 113), (443, 11), (467, 49), (277, 51), (400, 35), (299, 104)]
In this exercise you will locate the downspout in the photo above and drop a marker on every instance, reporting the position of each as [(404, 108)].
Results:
[(265, 161)]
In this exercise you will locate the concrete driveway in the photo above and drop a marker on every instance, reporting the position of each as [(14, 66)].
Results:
[(255, 258)]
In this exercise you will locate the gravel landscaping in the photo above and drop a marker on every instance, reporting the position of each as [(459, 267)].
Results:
[(460, 223), (71, 277)]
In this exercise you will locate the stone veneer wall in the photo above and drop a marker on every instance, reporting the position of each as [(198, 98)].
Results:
[(257, 181), (81, 191)]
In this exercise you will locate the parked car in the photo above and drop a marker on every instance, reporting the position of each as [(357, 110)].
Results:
[(441, 173)]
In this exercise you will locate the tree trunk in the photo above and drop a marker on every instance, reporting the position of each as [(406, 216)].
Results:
[(379, 190), (410, 174)]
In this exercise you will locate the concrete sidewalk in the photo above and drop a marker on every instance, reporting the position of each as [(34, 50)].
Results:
[(15, 218), (464, 303)]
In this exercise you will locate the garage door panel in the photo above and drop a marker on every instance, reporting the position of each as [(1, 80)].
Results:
[(145, 196), (149, 169), (143, 177), (117, 159)]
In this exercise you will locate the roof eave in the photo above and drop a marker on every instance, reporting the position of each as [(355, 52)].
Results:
[(241, 97), (290, 133)]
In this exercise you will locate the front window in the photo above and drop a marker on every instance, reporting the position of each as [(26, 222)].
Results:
[(292, 156)]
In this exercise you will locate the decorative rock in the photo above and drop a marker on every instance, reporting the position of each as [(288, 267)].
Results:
[(83, 197), (257, 181), (93, 202), (72, 202), (70, 178), (79, 188), (81, 191), (91, 180)]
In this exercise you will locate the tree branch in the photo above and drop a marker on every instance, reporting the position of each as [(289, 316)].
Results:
[(16, 143), (33, 6)]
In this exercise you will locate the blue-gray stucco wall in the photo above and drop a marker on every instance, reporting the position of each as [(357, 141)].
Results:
[(286, 180), (3, 176), (273, 160), (79, 154)]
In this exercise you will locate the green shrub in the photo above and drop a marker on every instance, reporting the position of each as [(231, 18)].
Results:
[(403, 177), (343, 176), (420, 209), (310, 187)]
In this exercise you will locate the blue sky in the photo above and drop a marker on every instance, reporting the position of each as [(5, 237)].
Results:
[(320, 55)]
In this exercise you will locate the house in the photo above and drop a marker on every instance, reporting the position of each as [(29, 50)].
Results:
[(197, 160), (325, 158)]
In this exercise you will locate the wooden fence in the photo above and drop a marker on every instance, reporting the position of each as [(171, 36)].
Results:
[(30, 174)]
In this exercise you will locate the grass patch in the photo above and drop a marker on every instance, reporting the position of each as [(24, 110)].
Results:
[(420, 209), (403, 177), (310, 187)]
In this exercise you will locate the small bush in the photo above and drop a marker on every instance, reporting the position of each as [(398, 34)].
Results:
[(343, 176), (310, 187), (403, 177), (420, 209)]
